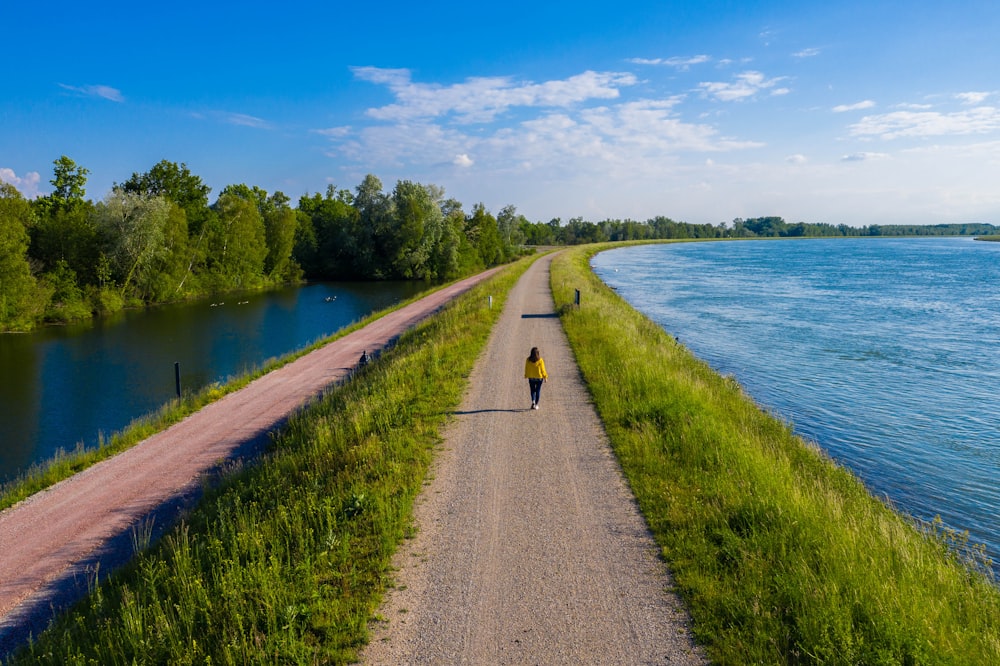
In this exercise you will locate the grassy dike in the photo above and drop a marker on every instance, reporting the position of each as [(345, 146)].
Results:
[(285, 561), (782, 556), (65, 464)]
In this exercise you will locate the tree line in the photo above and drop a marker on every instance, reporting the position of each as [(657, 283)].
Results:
[(156, 238), (579, 231)]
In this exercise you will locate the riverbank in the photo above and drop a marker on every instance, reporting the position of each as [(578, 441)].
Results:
[(284, 560), (781, 555), (103, 404)]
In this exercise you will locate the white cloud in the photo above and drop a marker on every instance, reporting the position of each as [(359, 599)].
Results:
[(980, 120), (402, 144), (626, 135), (842, 108), (747, 85), (798, 158), (334, 132), (26, 185), (242, 120), (681, 63), (973, 98), (481, 99), (807, 53), (863, 157), (103, 92)]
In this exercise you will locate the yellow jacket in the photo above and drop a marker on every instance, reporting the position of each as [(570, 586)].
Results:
[(535, 370)]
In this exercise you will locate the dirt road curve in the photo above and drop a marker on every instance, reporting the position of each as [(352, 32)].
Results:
[(51, 544), (530, 549)]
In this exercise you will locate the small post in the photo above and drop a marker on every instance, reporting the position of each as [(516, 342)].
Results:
[(490, 298), (577, 299), (177, 377)]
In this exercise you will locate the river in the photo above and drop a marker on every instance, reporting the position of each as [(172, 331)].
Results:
[(67, 386), (882, 351)]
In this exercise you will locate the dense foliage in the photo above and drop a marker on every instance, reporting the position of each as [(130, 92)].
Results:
[(578, 231), (156, 238)]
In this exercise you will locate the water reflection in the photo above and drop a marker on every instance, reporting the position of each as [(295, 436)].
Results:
[(64, 385)]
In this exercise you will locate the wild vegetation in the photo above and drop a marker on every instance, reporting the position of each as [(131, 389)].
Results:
[(285, 561), (782, 556), (156, 238), (64, 464)]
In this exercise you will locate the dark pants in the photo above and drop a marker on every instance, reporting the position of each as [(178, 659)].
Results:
[(535, 385)]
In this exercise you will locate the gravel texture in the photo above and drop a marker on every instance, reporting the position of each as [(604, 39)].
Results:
[(56, 542), (529, 547)]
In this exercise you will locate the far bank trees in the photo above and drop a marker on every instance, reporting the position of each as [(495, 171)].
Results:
[(157, 238)]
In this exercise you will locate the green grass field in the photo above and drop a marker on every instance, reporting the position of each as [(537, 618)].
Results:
[(782, 556)]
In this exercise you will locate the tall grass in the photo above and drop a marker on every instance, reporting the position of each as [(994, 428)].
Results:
[(782, 556), (67, 463), (285, 561)]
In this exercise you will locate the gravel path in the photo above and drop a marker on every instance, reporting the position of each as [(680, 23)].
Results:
[(54, 543), (530, 548)]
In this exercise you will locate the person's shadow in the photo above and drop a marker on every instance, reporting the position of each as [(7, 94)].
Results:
[(487, 411)]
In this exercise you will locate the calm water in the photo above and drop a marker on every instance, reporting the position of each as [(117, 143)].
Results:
[(886, 352), (64, 385)]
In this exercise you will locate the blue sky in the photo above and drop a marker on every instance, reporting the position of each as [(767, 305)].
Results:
[(839, 112)]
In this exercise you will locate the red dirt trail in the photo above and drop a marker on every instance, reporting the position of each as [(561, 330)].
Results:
[(55, 542)]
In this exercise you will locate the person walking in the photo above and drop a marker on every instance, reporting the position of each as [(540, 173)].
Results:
[(534, 371)]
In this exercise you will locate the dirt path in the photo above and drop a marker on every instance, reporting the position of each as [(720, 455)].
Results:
[(52, 544), (530, 548)]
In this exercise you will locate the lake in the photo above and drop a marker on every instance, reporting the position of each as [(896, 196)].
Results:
[(882, 351), (69, 384)]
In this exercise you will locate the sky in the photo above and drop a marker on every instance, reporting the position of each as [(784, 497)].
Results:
[(848, 112)]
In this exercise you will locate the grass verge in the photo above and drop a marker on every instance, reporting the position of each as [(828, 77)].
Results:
[(782, 556), (65, 464), (285, 561)]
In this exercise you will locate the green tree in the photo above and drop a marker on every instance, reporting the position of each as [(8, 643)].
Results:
[(66, 298), (482, 227), (178, 184), (456, 255), (328, 241), (69, 181), (279, 233), (18, 289), (280, 224), (64, 231), (509, 224), (238, 245), (133, 226), (374, 209), (169, 271), (416, 230)]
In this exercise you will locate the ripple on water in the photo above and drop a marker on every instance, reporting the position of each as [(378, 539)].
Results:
[(880, 351)]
